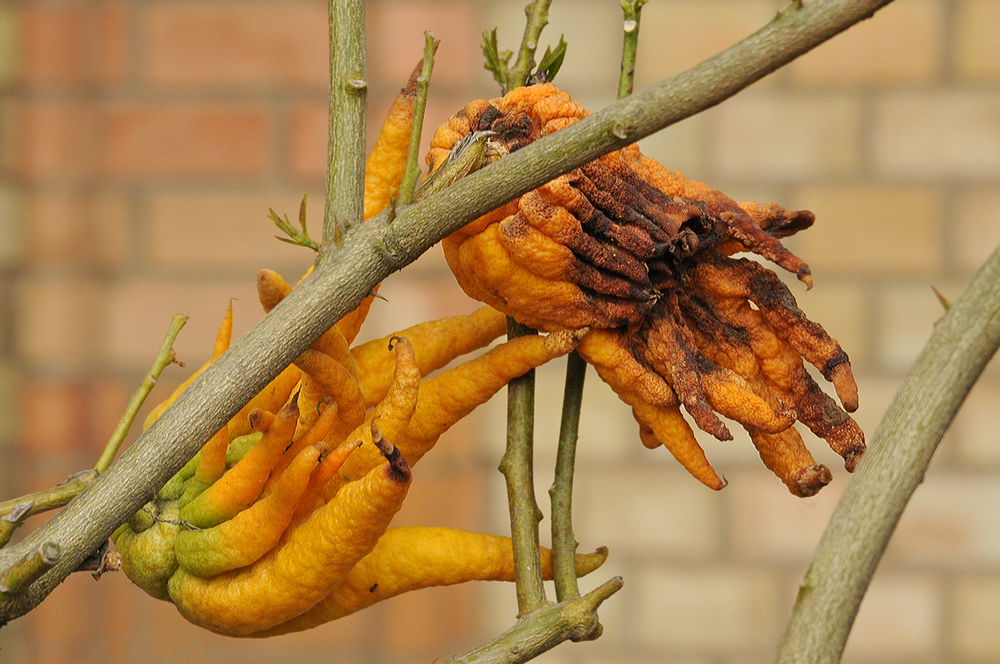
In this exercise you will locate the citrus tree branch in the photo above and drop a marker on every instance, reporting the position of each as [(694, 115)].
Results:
[(901, 448), (345, 160), (374, 249), (517, 467)]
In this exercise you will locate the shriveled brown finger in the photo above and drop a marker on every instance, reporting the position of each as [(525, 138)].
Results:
[(744, 278), (682, 366), (545, 257), (557, 222), (786, 456)]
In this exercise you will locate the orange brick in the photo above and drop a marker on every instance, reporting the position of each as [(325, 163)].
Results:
[(185, 140), (307, 140), (54, 44), (54, 415), (428, 621), (53, 140), (12, 231), (215, 230), (237, 44), (902, 44), (108, 22), (396, 40), (110, 228), (74, 44)]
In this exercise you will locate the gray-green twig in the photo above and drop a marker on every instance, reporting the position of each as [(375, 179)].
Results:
[(345, 164), (538, 18), (632, 10), (534, 633), (516, 467), (563, 541), (409, 182)]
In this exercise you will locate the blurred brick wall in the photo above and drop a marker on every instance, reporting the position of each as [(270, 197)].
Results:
[(141, 144)]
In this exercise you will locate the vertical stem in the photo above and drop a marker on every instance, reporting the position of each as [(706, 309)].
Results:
[(563, 541), (632, 10), (409, 182), (345, 163), (538, 18), (516, 467)]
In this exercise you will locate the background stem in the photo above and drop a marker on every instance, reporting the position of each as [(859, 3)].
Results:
[(374, 250), (564, 543), (538, 18), (901, 448), (517, 469), (632, 10), (412, 172), (345, 163)]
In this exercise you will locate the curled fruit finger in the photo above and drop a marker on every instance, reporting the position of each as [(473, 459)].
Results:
[(411, 558)]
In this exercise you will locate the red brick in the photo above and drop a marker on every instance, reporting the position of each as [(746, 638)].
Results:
[(109, 43), (396, 40), (53, 140), (237, 43), (185, 140), (54, 415), (74, 44), (307, 140), (54, 44)]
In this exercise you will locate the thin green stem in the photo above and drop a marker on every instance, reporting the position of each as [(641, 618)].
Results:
[(164, 358), (345, 164), (30, 567), (538, 18), (962, 343), (517, 468), (564, 543), (632, 10), (544, 629), (412, 173), (53, 497)]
